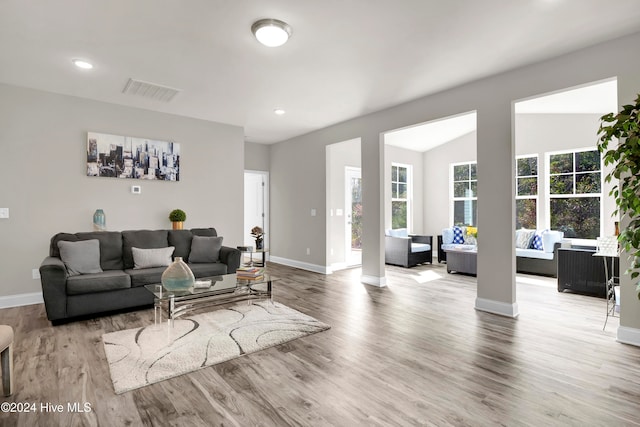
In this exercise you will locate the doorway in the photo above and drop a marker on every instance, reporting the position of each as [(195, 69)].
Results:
[(353, 216), (256, 206)]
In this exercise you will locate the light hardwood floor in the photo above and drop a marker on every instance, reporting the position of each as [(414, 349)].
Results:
[(414, 353)]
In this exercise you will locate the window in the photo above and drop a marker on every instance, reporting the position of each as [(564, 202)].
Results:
[(465, 194), (575, 193), (527, 192), (400, 191)]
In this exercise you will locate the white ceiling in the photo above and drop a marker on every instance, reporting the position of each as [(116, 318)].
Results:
[(599, 98), (345, 58)]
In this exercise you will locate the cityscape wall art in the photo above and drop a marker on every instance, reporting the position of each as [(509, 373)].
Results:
[(116, 156)]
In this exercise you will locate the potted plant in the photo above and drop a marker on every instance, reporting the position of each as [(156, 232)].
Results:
[(625, 158), (258, 234), (177, 218)]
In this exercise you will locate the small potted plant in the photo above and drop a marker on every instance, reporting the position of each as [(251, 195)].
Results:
[(177, 218), (257, 233)]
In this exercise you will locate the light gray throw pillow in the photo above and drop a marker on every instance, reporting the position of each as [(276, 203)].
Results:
[(148, 258), (523, 238), (81, 257), (205, 249)]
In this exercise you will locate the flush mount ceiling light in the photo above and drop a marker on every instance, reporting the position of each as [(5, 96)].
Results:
[(271, 32), (279, 111), (82, 64)]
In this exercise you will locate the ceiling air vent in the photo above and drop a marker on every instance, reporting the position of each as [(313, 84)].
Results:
[(150, 90)]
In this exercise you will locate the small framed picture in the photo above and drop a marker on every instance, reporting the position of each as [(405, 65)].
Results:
[(136, 189)]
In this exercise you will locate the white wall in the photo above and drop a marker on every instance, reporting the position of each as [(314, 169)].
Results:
[(43, 139)]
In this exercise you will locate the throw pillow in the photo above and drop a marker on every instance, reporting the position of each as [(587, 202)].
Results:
[(447, 236), (81, 257), (523, 238), (205, 249), (536, 242), (148, 258), (458, 235)]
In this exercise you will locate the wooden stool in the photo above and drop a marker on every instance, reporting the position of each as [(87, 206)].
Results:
[(6, 358)]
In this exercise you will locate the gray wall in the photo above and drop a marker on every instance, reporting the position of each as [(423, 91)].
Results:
[(257, 157), (43, 139)]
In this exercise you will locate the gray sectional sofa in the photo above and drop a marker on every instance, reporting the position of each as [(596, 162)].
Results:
[(120, 283)]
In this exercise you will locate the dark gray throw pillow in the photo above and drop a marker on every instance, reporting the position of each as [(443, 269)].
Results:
[(81, 257), (205, 249)]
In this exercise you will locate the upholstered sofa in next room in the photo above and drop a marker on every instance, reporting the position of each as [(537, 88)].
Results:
[(96, 272)]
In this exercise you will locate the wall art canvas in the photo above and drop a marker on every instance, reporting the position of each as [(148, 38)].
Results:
[(118, 156)]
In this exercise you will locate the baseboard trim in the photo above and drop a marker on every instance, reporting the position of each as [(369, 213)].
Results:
[(627, 335), (21, 299), (301, 265), (380, 282), (497, 307)]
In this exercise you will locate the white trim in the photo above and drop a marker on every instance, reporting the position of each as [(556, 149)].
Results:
[(497, 307), (380, 282), (301, 265), (627, 335), (337, 266), (21, 299)]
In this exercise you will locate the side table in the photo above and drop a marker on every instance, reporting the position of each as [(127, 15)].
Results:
[(246, 250)]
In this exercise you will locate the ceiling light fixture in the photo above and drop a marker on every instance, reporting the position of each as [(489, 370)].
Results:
[(82, 64), (271, 32), (279, 111)]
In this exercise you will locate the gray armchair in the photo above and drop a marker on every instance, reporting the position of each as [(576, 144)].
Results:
[(407, 250)]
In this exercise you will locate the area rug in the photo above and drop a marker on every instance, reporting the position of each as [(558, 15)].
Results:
[(142, 356)]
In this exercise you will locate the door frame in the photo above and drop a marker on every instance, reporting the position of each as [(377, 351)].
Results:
[(265, 200)]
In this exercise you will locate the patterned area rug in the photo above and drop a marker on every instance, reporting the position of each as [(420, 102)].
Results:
[(142, 356)]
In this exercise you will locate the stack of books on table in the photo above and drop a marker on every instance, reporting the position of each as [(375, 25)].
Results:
[(250, 273)]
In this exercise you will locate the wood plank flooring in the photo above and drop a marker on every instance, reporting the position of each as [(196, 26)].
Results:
[(414, 353)]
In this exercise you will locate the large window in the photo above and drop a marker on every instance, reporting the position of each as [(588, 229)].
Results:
[(575, 193), (527, 192), (400, 195), (465, 194)]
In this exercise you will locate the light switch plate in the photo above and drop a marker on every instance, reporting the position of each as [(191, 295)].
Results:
[(313, 212), (4, 212)]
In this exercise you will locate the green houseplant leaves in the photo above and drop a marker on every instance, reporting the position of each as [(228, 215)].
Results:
[(625, 158)]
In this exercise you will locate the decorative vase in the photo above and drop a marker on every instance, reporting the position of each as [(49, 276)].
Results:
[(259, 243), (178, 276), (177, 225), (99, 220)]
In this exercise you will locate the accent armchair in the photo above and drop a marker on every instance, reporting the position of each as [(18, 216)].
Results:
[(407, 250)]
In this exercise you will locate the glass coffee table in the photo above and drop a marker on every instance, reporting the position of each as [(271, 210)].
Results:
[(223, 289)]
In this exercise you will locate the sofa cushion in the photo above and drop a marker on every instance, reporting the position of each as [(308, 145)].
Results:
[(534, 253), (143, 239), (82, 257), (447, 236), (398, 232), (523, 238), (550, 238), (209, 269), (209, 232), (147, 258), (205, 249), (146, 276), (98, 282), (181, 240), (110, 246), (458, 235), (420, 247), (457, 247)]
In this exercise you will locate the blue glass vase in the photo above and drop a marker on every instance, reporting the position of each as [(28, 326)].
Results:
[(99, 220), (178, 276)]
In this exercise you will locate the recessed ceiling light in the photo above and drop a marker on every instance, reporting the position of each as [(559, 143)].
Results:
[(279, 111), (271, 32), (82, 64)]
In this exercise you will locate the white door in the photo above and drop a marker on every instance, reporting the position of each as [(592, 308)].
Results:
[(256, 205), (353, 216)]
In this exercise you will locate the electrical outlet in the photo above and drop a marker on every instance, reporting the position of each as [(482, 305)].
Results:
[(35, 273), (4, 212), (308, 251)]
